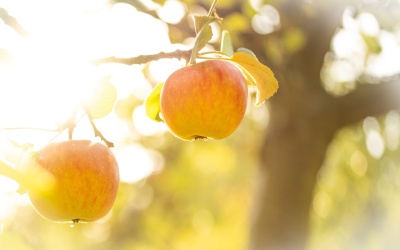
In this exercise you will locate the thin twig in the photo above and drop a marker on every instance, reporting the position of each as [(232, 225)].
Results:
[(177, 54), (97, 131)]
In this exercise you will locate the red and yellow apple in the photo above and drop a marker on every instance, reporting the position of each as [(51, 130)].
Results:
[(82, 180), (204, 100)]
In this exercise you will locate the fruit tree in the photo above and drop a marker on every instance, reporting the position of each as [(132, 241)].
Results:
[(199, 124)]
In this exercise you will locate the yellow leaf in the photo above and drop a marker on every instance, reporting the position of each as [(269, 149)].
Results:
[(152, 103), (257, 74)]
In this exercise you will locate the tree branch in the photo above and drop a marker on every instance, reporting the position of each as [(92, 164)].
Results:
[(368, 100), (178, 54)]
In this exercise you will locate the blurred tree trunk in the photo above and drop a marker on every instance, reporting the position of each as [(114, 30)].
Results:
[(303, 120)]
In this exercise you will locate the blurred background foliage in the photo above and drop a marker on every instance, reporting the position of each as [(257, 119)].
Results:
[(199, 195), (356, 200)]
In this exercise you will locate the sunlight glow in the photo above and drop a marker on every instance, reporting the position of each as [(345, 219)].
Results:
[(129, 80), (144, 197), (368, 24), (359, 163), (172, 12), (386, 63), (266, 20), (9, 199), (203, 222), (374, 141), (161, 69), (375, 144), (135, 39), (135, 162), (144, 125), (347, 43), (256, 4), (8, 185), (361, 34), (7, 207), (392, 130), (339, 77), (99, 231), (322, 204), (50, 73)]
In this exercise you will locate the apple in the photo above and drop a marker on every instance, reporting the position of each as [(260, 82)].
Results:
[(204, 100), (82, 180)]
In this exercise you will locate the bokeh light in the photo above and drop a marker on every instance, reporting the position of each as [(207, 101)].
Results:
[(266, 20), (173, 11), (136, 163)]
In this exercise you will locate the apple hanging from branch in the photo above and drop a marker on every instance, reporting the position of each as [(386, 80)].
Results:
[(210, 114), (204, 100), (79, 180), (208, 99)]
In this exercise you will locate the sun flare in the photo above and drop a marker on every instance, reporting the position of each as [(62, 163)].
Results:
[(50, 71)]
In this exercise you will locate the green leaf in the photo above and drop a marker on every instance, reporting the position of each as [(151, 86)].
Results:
[(226, 43), (204, 33), (201, 21), (204, 37), (257, 74), (102, 100), (203, 30), (152, 103), (247, 51)]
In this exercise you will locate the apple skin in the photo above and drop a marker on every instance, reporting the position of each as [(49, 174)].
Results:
[(204, 100), (85, 181)]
